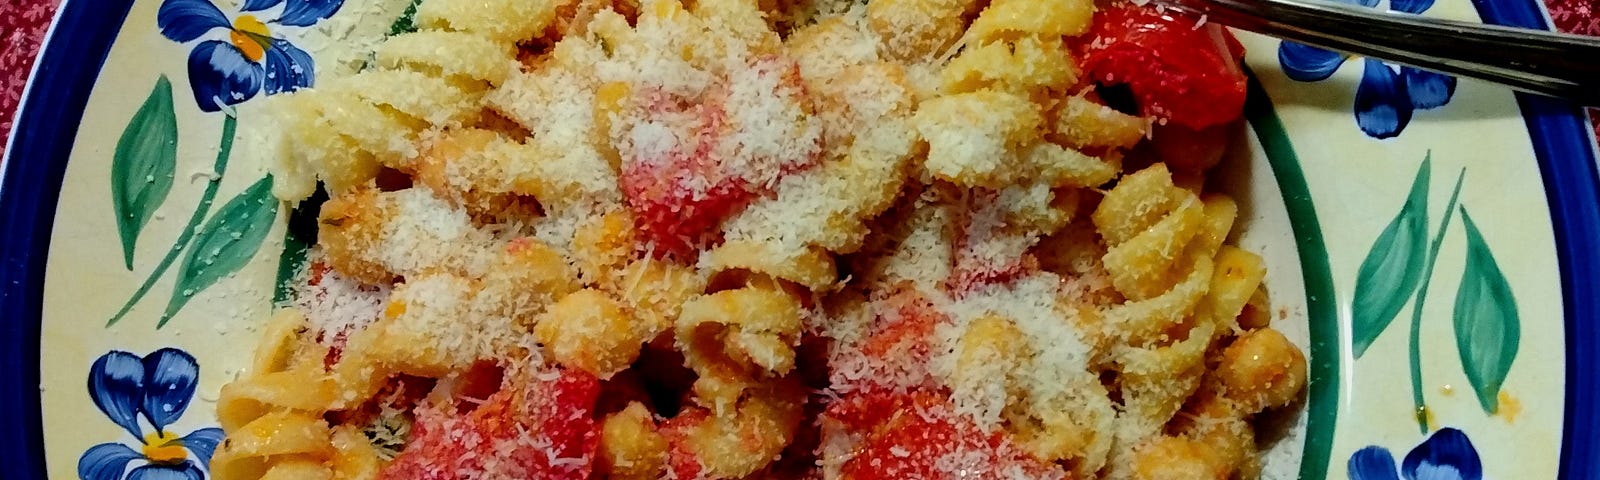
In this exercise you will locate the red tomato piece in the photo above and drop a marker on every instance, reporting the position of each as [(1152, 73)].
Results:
[(917, 436), (1188, 150), (896, 353), (906, 330), (690, 166), (675, 188), (316, 271), (1176, 71), (540, 427), (336, 345), (680, 460), (986, 253)]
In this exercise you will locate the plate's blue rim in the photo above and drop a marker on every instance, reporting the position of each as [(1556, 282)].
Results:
[(1562, 141), (1566, 149), (47, 125)]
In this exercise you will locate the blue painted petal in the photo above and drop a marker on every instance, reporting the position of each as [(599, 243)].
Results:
[(116, 383), (186, 20), (170, 376), (1447, 454), (220, 75), (1372, 463), (203, 443), (184, 471), (1362, 3), (1382, 106), (288, 68), (106, 461), (1306, 63), (1428, 89), (305, 13), (259, 5), (1410, 6)]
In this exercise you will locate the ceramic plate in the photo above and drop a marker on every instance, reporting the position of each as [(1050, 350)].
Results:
[(1430, 242)]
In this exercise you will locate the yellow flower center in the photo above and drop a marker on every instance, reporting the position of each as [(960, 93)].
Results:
[(164, 448), (249, 34)]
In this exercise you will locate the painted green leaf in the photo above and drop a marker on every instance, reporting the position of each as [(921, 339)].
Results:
[(225, 244), (142, 165), (297, 241), (1393, 266), (1487, 327), (407, 22)]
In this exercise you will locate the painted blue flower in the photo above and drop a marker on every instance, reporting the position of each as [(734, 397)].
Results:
[(1386, 98), (1445, 455), (227, 72), (157, 388)]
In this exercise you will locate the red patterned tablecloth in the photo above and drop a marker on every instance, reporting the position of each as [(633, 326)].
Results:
[(23, 23), (1581, 17), (22, 26)]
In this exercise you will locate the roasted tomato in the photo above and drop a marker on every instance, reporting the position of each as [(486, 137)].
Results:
[(1179, 69), (536, 426), (918, 435), (695, 161)]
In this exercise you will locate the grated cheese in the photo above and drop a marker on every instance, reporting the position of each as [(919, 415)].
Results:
[(954, 291), (423, 232), (1060, 353), (336, 304)]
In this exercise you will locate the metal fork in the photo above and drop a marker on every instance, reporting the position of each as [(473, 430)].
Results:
[(1534, 61)]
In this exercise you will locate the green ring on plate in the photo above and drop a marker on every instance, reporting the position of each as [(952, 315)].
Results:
[(1323, 393)]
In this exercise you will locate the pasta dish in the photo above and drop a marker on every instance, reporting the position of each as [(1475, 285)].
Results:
[(721, 239)]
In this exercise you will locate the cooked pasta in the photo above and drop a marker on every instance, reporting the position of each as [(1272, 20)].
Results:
[(729, 239)]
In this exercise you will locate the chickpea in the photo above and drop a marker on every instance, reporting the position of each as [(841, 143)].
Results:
[(1175, 458), (526, 277), (590, 331), (350, 229), (630, 446), (1262, 369), (740, 442), (603, 247), (917, 29), (1231, 438), (990, 352)]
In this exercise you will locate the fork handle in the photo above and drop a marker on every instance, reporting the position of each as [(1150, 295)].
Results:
[(1534, 61)]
